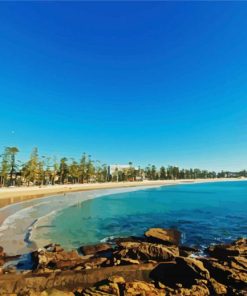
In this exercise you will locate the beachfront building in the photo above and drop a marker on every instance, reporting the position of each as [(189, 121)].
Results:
[(124, 172)]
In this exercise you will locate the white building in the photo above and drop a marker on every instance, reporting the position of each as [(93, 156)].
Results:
[(114, 169)]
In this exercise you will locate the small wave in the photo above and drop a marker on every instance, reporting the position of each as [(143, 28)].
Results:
[(107, 239), (42, 222), (9, 222)]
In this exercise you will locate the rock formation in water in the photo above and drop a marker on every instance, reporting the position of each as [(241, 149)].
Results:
[(151, 265)]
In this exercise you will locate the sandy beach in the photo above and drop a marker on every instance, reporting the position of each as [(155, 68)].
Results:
[(12, 195)]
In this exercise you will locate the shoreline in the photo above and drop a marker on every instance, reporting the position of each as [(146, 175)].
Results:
[(14, 235), (12, 231), (18, 194)]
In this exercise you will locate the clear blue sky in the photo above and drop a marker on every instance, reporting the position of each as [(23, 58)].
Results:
[(151, 82)]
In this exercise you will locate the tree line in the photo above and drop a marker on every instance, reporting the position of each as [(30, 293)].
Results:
[(42, 170)]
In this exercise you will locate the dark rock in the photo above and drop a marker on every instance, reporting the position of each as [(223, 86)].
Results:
[(237, 248), (222, 251), (184, 271), (163, 236), (193, 265), (226, 275), (187, 251), (95, 249)]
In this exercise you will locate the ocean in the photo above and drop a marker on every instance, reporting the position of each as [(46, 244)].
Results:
[(205, 213)]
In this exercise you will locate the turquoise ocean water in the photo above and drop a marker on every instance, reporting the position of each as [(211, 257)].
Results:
[(204, 213)]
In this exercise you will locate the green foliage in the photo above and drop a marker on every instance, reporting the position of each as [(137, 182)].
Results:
[(46, 170), (8, 166)]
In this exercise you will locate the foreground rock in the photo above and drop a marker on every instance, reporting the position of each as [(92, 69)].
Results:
[(69, 280), (227, 275), (133, 267), (118, 286), (184, 271), (163, 236), (180, 275)]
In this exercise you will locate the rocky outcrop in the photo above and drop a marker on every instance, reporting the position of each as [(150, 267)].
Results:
[(228, 264), (227, 275), (193, 267), (54, 257), (95, 249), (133, 267), (163, 236), (237, 248), (184, 271), (146, 251)]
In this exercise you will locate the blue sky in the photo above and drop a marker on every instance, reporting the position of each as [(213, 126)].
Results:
[(150, 82)]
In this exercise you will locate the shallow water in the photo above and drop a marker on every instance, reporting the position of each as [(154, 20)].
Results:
[(204, 213), (25, 225)]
